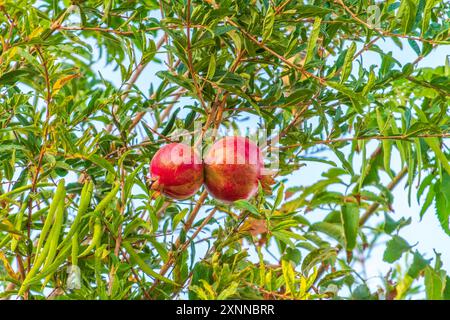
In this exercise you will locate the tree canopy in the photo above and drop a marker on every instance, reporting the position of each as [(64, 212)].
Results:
[(77, 217)]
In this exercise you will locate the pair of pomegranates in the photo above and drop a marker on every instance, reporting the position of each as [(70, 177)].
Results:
[(230, 171)]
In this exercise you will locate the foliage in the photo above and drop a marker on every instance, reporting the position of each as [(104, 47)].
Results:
[(75, 146)]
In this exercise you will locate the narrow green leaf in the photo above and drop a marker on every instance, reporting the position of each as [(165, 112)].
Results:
[(102, 162), (350, 223), (356, 99), (313, 39), (434, 286), (347, 66), (107, 199), (433, 143), (245, 205), (268, 23), (144, 267), (317, 256), (211, 67), (170, 123), (429, 4)]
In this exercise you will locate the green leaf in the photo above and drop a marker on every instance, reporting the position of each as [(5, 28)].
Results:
[(442, 195), (419, 263), (268, 23), (347, 66), (201, 271), (293, 255), (229, 291), (144, 267), (279, 198), (9, 229), (414, 46), (390, 225), (313, 39), (370, 83), (284, 237), (446, 294), (347, 166), (434, 144), (429, 4), (361, 292), (407, 14), (356, 99), (178, 217), (350, 224), (333, 276), (149, 53), (395, 249), (12, 77), (317, 256), (333, 230), (428, 201), (170, 123), (288, 275), (179, 80), (211, 67), (102, 162), (245, 205), (434, 284), (299, 95), (307, 11)]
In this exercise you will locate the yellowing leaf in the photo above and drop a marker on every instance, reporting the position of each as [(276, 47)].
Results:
[(36, 33), (289, 276), (303, 286), (63, 81), (7, 266)]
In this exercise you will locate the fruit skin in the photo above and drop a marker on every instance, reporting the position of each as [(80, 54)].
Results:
[(233, 167), (176, 171)]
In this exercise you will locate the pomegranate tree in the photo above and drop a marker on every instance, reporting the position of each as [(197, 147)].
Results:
[(176, 171), (233, 167)]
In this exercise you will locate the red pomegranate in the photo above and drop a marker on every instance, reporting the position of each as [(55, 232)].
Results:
[(233, 167), (176, 171)]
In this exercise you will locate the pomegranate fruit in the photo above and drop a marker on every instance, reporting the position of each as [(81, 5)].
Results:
[(233, 168), (176, 171)]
